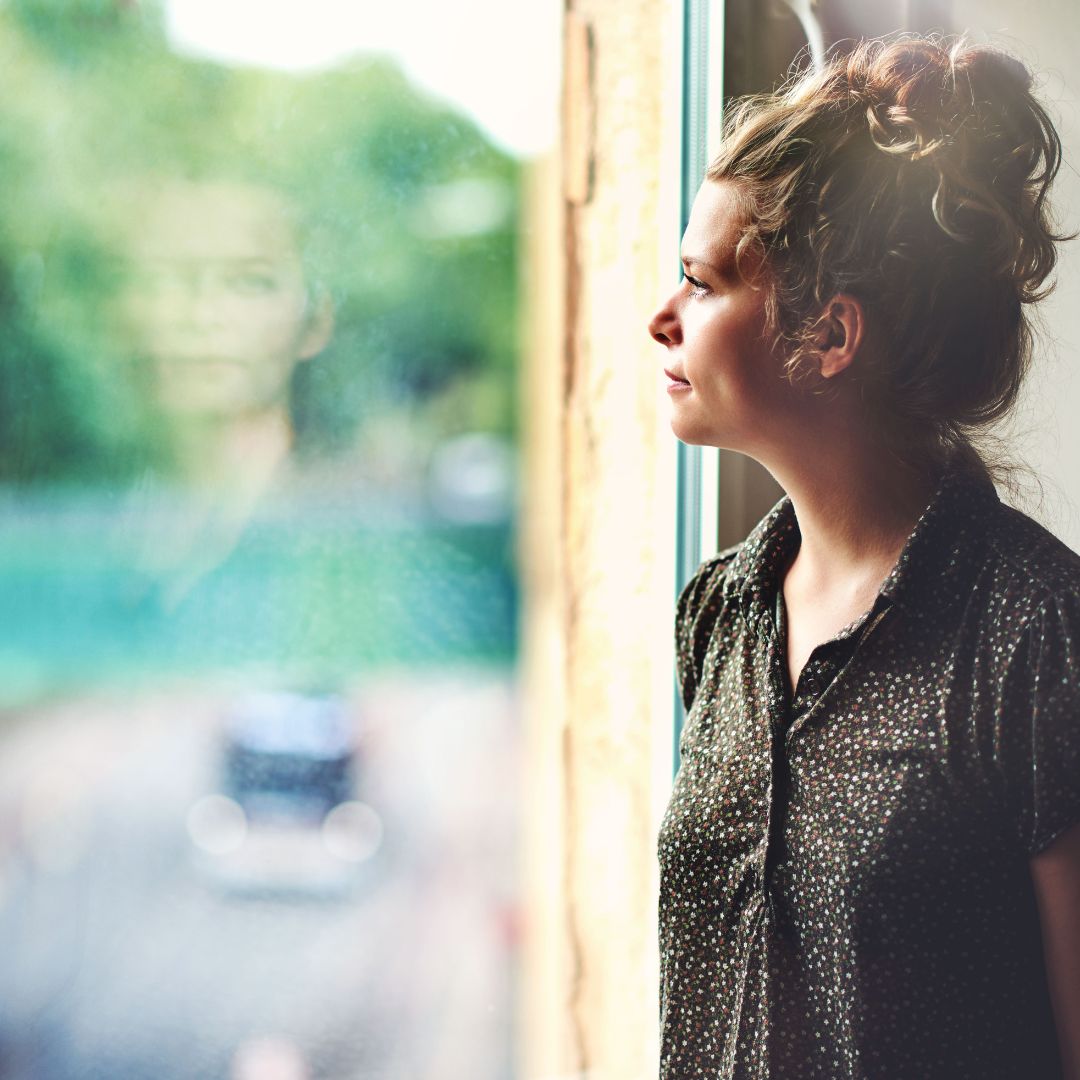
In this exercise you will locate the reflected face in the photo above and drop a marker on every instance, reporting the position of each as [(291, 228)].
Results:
[(215, 297), (726, 382)]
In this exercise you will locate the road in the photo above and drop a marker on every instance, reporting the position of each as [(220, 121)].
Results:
[(125, 959)]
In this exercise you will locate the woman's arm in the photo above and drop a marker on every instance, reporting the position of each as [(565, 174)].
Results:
[(1056, 875)]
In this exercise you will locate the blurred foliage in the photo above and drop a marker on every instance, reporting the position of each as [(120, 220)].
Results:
[(407, 216)]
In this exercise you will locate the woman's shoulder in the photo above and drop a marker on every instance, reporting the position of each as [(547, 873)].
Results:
[(1029, 563), (706, 586), (699, 608), (1032, 580), (744, 566)]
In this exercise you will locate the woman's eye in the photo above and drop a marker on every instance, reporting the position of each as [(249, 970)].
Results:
[(697, 286), (251, 282)]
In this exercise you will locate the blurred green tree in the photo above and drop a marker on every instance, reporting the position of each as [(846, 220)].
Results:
[(406, 214)]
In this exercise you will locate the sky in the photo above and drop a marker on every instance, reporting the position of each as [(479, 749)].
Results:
[(495, 59)]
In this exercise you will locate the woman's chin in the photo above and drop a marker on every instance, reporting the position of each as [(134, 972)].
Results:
[(688, 432)]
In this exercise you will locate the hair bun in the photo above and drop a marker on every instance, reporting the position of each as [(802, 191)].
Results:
[(904, 88), (985, 64), (919, 95), (967, 114)]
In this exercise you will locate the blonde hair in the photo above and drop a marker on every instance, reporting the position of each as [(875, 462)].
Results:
[(911, 173)]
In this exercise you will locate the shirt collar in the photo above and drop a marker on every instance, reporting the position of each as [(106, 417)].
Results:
[(930, 574)]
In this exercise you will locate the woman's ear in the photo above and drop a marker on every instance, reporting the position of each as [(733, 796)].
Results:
[(840, 334)]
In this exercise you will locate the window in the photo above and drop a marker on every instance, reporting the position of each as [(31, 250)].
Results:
[(258, 460)]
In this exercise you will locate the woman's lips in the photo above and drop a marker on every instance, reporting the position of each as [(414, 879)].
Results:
[(675, 382)]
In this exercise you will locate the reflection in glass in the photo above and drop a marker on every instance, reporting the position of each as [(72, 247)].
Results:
[(256, 449)]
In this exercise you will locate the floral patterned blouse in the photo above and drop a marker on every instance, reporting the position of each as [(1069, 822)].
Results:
[(845, 891)]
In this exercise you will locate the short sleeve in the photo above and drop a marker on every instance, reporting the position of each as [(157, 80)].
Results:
[(1039, 734), (695, 617)]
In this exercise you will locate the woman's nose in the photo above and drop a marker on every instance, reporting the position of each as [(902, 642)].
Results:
[(664, 325)]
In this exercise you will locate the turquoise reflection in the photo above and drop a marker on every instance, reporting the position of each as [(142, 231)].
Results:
[(308, 591)]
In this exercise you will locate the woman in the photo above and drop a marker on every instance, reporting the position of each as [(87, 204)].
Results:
[(871, 858)]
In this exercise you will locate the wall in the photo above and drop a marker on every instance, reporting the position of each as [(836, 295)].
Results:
[(1045, 434), (599, 549)]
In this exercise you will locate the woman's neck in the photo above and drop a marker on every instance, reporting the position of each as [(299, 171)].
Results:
[(856, 507), (234, 457)]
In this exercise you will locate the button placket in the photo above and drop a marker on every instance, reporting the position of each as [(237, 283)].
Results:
[(779, 707), (803, 717)]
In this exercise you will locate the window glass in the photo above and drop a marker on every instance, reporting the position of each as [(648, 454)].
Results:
[(259, 317)]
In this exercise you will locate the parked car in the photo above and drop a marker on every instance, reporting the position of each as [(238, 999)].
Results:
[(288, 755), (284, 816)]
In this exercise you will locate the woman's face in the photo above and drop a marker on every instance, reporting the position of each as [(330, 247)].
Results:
[(215, 298), (726, 382)]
